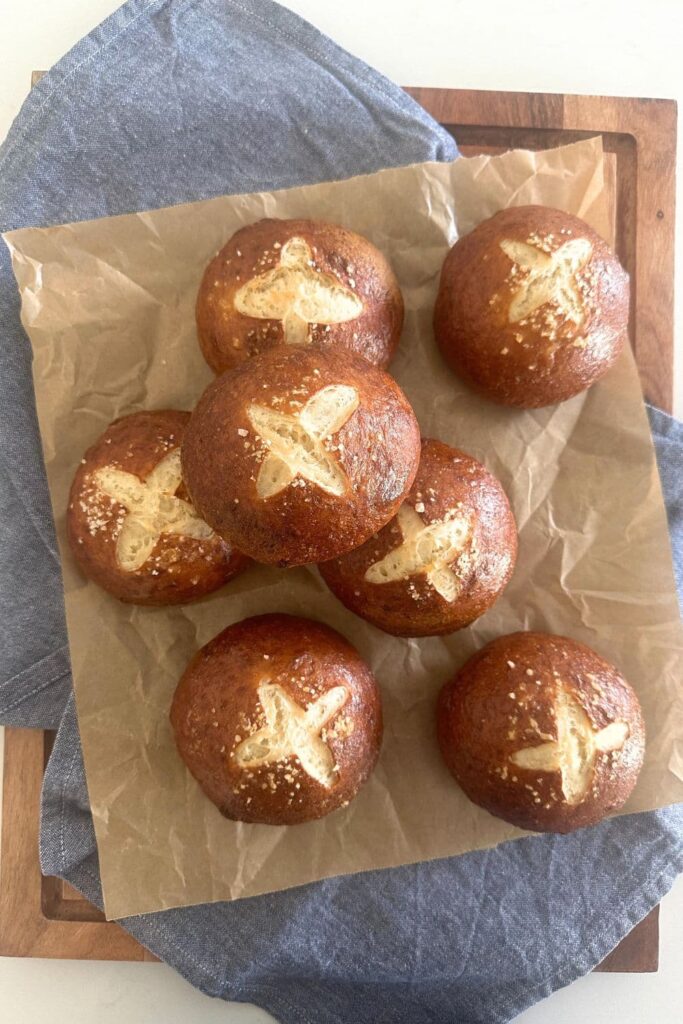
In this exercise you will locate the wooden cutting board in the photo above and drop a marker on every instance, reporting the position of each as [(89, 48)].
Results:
[(45, 917)]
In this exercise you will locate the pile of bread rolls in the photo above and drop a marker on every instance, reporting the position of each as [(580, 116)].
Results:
[(305, 450)]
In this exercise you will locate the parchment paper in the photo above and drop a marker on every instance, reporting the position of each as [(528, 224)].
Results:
[(108, 305)]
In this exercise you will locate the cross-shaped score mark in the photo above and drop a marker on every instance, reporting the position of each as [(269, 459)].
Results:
[(426, 549), (293, 731), (295, 293), (573, 754), (152, 509), (296, 441), (551, 278)]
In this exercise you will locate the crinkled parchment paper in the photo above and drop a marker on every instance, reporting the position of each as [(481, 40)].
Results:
[(108, 305)]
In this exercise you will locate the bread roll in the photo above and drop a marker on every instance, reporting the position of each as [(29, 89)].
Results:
[(279, 720), (300, 283), (442, 561), (300, 454), (532, 307), (542, 732), (129, 522)]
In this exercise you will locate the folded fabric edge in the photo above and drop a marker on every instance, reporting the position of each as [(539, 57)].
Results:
[(149, 930), (81, 54), (283, 21), (667, 436), (645, 900), (87, 883), (53, 671)]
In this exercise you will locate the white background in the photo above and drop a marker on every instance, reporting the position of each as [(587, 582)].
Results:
[(610, 47)]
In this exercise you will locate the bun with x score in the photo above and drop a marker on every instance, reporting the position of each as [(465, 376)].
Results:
[(542, 732), (532, 307), (130, 524), (279, 720), (297, 283), (300, 454), (442, 561)]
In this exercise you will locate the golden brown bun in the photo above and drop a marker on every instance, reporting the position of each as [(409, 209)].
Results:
[(532, 307), (344, 427), (442, 561), (313, 702), (499, 720), (138, 459), (317, 284)]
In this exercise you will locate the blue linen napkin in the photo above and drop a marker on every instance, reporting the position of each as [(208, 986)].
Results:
[(175, 100)]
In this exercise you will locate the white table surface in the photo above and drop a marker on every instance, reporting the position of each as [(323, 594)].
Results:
[(610, 47)]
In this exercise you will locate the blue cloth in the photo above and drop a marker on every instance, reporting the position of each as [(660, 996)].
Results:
[(668, 437), (180, 100)]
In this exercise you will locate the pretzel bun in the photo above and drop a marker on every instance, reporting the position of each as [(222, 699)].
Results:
[(279, 720), (300, 454), (542, 732), (532, 307), (442, 561), (129, 522), (297, 282)]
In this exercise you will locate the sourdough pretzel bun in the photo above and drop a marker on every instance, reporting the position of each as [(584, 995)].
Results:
[(542, 732), (297, 282), (300, 454), (129, 522), (442, 561), (532, 307), (279, 720)]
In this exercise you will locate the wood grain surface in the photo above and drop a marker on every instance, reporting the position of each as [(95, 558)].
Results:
[(41, 916), (44, 916)]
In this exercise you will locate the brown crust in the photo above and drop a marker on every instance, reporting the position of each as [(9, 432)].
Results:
[(216, 706), (485, 715), (228, 337), (377, 449), (546, 358), (179, 568), (446, 479)]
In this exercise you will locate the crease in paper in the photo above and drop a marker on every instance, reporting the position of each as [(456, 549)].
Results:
[(108, 305)]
